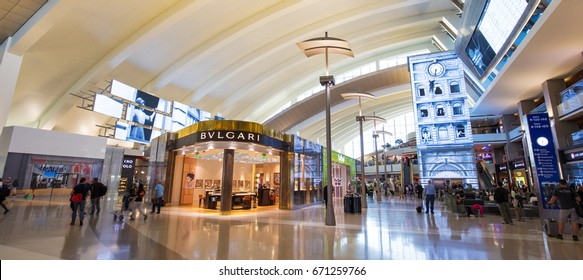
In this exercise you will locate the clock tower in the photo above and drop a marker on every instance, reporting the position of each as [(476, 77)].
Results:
[(445, 143)]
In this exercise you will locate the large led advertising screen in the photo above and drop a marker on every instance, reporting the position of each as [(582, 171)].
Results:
[(128, 132), (143, 98), (499, 24), (107, 106), (184, 115), (144, 112)]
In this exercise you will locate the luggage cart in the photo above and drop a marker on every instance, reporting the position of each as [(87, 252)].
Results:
[(118, 215)]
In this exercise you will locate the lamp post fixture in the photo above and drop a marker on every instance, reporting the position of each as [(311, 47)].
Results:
[(360, 119), (325, 45), (383, 132), (376, 150)]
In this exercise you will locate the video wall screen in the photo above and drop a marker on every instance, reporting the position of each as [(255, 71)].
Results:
[(144, 113), (108, 106), (128, 132), (184, 115), (143, 98), (147, 117), (494, 32)]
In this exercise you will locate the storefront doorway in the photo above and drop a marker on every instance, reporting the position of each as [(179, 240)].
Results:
[(202, 171)]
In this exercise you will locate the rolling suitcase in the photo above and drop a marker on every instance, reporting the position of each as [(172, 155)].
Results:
[(419, 209), (551, 227)]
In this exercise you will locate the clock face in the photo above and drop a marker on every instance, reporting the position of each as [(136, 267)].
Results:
[(542, 141), (436, 69)]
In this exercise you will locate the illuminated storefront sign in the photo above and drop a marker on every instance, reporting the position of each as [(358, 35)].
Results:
[(220, 135)]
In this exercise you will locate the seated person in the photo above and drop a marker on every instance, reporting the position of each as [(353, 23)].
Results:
[(477, 209), (533, 199)]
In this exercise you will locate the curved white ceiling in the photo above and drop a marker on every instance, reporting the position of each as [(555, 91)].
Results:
[(237, 58)]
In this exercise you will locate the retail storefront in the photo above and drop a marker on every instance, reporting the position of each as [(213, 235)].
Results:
[(343, 170), (501, 172), (251, 165), (245, 162), (307, 172), (519, 174)]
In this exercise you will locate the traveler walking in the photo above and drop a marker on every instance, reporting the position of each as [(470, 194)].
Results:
[(517, 204), (136, 202), (501, 198), (157, 197), (429, 196), (419, 191), (78, 196), (97, 191), (567, 199)]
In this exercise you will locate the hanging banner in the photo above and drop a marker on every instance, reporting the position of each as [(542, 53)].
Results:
[(543, 156)]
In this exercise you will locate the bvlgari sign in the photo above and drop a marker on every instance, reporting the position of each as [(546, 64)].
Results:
[(227, 135)]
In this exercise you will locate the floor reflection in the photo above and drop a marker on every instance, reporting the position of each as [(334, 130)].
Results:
[(391, 229)]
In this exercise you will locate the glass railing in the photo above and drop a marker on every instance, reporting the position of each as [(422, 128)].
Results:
[(572, 99)]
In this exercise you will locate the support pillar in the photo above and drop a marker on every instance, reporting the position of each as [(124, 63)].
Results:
[(9, 70), (227, 182), (285, 190)]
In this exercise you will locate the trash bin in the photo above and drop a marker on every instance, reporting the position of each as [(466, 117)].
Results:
[(348, 204), (357, 204), (212, 204)]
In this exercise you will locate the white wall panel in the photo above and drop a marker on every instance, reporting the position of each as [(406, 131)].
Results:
[(57, 143)]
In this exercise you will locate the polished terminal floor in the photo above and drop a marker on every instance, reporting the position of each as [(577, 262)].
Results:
[(386, 230)]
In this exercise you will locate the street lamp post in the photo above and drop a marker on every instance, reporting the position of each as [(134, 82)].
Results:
[(376, 150), (360, 119), (383, 132), (325, 45)]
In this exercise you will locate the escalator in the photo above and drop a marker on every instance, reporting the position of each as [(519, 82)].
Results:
[(485, 180)]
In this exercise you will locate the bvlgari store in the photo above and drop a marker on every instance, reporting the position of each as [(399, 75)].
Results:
[(231, 165)]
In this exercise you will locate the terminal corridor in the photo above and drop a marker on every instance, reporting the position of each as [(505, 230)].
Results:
[(387, 230)]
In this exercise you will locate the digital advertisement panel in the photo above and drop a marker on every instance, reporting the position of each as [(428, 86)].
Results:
[(107, 106), (543, 156), (184, 115), (128, 132)]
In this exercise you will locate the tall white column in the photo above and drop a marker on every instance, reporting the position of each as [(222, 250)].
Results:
[(9, 69)]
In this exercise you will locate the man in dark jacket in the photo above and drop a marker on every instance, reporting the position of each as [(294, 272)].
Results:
[(501, 198), (96, 194)]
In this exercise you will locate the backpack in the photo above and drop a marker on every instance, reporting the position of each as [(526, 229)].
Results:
[(102, 189)]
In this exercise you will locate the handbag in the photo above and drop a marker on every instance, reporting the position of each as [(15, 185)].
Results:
[(76, 197)]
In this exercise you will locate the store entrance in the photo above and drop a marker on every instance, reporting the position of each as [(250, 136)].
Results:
[(256, 178)]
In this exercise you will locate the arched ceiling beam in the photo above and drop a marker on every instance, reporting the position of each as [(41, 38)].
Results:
[(250, 111), (224, 39), (116, 56), (406, 31), (298, 35)]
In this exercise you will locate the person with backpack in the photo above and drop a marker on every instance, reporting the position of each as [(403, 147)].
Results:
[(136, 201), (4, 192), (97, 191), (78, 196)]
